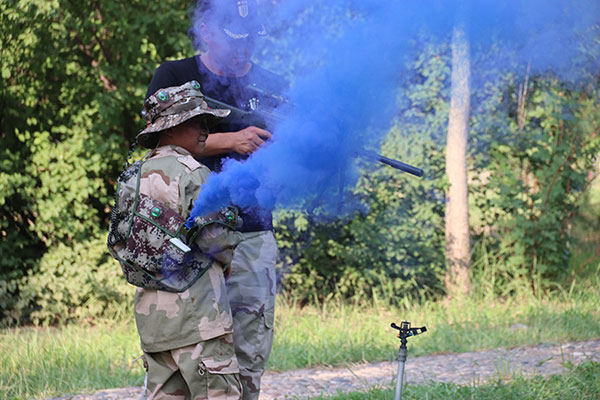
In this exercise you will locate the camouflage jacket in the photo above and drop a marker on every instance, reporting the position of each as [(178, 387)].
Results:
[(167, 320)]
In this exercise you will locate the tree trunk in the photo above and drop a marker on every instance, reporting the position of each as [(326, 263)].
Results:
[(458, 247)]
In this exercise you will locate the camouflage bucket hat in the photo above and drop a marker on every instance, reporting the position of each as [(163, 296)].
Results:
[(172, 106)]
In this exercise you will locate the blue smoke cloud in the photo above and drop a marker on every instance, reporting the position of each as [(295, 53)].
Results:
[(345, 102)]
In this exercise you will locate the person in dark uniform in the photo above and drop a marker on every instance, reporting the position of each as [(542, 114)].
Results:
[(228, 31)]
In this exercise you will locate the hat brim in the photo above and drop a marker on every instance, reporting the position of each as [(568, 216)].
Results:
[(169, 121)]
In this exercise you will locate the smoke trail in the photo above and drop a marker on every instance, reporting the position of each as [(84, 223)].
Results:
[(346, 102)]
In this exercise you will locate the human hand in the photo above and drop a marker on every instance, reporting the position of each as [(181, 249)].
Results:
[(248, 140)]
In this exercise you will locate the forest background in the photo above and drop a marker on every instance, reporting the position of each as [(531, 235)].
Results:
[(74, 75)]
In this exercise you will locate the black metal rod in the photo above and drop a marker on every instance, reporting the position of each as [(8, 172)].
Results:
[(400, 165)]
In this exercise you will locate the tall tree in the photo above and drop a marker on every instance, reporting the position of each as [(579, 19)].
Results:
[(458, 248)]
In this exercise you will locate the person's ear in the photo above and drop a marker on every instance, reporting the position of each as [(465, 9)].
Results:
[(205, 33)]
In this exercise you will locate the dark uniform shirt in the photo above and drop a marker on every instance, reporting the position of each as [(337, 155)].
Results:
[(236, 91)]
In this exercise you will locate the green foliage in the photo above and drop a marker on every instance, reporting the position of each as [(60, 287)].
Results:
[(528, 192), (395, 250), (74, 76), (530, 159), (77, 282)]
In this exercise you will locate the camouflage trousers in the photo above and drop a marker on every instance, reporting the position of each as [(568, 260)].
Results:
[(251, 290), (207, 370)]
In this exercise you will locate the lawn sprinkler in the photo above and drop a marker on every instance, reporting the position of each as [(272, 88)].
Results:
[(405, 331)]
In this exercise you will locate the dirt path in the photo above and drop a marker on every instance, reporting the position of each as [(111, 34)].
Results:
[(464, 368)]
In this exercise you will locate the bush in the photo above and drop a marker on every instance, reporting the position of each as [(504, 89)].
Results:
[(74, 75), (395, 249), (76, 282), (73, 78), (529, 191)]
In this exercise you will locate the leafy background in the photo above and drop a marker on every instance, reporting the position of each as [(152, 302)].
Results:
[(73, 78)]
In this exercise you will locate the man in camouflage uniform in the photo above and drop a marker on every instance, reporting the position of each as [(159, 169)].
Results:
[(228, 30), (187, 336)]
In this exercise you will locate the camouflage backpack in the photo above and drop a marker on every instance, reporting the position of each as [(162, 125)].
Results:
[(150, 240)]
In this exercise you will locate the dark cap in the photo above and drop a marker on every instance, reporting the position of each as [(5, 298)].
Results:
[(239, 19)]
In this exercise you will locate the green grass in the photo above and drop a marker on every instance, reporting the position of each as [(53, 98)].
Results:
[(48, 362), (41, 363), (580, 383), (339, 333)]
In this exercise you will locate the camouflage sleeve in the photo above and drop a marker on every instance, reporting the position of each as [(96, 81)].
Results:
[(219, 242), (189, 188), (215, 239)]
